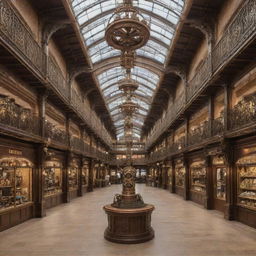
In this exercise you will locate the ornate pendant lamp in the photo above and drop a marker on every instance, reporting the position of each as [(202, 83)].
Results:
[(127, 29), (129, 218)]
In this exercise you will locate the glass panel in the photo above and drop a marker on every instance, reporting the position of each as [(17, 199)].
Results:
[(23, 185), (73, 178), (93, 16), (7, 187), (15, 186), (52, 178), (85, 175), (221, 173)]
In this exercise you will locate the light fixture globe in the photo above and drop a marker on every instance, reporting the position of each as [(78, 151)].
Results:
[(127, 29), (128, 108), (128, 85)]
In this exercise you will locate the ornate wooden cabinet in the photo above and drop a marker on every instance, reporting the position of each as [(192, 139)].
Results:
[(16, 183)]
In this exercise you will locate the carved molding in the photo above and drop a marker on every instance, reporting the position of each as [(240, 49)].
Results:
[(52, 27), (177, 70)]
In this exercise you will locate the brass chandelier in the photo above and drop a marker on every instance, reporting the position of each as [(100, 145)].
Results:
[(127, 31)]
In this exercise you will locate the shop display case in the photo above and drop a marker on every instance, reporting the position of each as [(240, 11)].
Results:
[(52, 178), (220, 192), (15, 183), (180, 175), (85, 176), (73, 178), (198, 177), (169, 175), (246, 172)]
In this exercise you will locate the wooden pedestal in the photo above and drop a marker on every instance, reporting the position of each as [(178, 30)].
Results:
[(129, 226)]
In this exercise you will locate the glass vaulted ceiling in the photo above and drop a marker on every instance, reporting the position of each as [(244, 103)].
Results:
[(93, 17)]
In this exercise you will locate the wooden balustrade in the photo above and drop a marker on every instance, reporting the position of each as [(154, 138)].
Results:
[(17, 117), (198, 135), (56, 134), (243, 113), (18, 36), (14, 33), (240, 30), (202, 76), (55, 75)]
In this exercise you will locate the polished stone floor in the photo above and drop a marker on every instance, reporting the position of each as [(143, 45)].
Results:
[(182, 229)]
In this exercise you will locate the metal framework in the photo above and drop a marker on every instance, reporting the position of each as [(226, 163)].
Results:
[(162, 17)]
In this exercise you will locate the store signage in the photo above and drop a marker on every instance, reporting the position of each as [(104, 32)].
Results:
[(249, 150), (15, 152)]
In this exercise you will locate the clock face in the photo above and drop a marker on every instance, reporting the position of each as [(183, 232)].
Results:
[(128, 175)]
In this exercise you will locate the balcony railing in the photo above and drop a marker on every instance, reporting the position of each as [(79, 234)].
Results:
[(218, 126), (56, 134), (77, 144), (199, 134), (171, 115), (243, 113), (240, 31), (19, 37), (201, 77), (15, 34), (56, 77), (17, 117)]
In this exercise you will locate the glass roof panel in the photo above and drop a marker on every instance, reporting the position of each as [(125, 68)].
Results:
[(93, 17)]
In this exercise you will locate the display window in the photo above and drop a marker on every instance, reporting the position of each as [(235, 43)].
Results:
[(85, 174), (219, 178), (73, 175), (52, 178), (15, 182), (169, 173), (198, 176), (246, 172), (180, 175)]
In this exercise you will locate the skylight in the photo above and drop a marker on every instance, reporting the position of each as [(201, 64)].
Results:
[(93, 17)]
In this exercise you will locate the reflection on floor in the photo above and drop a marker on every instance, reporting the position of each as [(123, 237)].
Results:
[(182, 229)]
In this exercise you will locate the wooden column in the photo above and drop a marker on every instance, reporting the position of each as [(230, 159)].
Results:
[(186, 185), (186, 130), (208, 202), (229, 209), (67, 161), (227, 102), (80, 184), (42, 99), (173, 176), (38, 182), (211, 114), (90, 180)]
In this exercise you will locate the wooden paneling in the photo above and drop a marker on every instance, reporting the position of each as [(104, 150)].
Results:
[(197, 197), (16, 216), (54, 200), (246, 216), (179, 191)]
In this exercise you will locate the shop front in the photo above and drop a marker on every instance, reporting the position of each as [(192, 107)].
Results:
[(53, 182), (245, 167), (16, 185), (197, 180), (180, 173), (219, 173), (73, 178)]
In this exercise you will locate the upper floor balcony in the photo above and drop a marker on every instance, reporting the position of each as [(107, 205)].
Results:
[(19, 41), (236, 38)]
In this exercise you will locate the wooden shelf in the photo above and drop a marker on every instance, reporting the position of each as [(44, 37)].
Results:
[(198, 185), (248, 197), (253, 189), (247, 207)]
